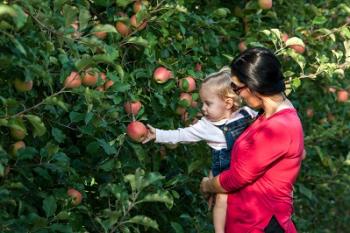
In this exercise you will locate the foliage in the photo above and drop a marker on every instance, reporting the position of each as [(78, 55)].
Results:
[(75, 138)]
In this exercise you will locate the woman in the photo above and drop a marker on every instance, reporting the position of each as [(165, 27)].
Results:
[(266, 158)]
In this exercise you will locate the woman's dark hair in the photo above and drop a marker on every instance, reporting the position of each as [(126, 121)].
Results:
[(260, 70)]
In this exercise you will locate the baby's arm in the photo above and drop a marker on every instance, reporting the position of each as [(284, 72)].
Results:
[(193, 133)]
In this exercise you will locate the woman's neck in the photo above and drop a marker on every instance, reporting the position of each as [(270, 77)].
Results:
[(275, 103)]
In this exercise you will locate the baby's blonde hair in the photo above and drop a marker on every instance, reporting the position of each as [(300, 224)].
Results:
[(221, 82)]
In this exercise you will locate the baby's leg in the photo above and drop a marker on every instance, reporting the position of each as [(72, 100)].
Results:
[(219, 212)]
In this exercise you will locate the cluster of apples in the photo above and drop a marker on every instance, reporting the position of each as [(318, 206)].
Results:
[(136, 129), (17, 133), (90, 78), (294, 43), (123, 26)]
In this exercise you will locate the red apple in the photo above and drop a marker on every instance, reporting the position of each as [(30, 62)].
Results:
[(22, 86), (265, 4), (73, 80), (137, 131), (138, 5), (75, 195), (242, 46), (296, 44), (101, 35), (187, 84), (342, 96), (16, 147), (132, 107), (187, 98), (180, 110), (108, 84), (18, 134), (309, 112), (122, 28), (137, 25), (90, 78), (161, 75)]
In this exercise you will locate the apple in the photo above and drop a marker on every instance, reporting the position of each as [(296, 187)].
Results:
[(75, 195), (22, 86), (137, 25), (242, 46), (342, 96), (132, 107), (265, 4), (137, 131), (187, 84), (138, 5), (296, 44), (108, 84), (73, 80), (17, 134), (101, 35), (16, 147), (198, 67), (122, 28), (180, 110), (187, 98), (309, 112), (90, 78), (284, 37), (161, 75)]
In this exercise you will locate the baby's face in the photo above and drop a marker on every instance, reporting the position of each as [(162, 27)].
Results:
[(214, 108)]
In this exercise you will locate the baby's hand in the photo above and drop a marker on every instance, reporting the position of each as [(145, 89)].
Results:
[(151, 135)]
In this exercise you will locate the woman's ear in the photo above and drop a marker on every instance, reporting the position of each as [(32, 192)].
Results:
[(229, 103)]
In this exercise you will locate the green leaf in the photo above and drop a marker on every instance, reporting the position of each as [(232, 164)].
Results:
[(76, 116), (20, 18), (64, 228), (70, 14), (318, 20), (296, 83), (160, 196), (49, 206), (123, 3), (177, 227), (138, 40), (145, 221), (84, 18), (58, 135), (104, 28), (110, 150), (39, 127), (7, 10)]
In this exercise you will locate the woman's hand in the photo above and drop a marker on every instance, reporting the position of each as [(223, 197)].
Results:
[(151, 135)]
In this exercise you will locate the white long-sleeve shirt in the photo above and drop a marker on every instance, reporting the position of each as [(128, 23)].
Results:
[(202, 130)]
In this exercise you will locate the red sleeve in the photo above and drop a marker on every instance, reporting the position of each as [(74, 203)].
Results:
[(253, 155)]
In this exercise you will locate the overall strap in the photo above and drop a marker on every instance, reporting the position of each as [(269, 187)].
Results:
[(235, 128)]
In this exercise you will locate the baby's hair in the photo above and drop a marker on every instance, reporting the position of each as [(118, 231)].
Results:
[(221, 82)]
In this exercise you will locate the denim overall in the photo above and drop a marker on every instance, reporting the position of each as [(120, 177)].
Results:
[(221, 158)]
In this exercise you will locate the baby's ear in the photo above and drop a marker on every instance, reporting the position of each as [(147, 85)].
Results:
[(229, 103)]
